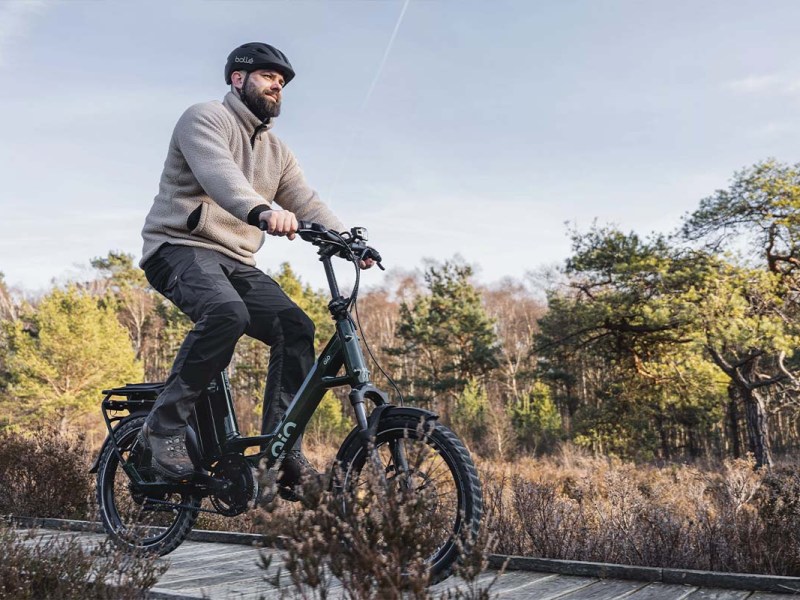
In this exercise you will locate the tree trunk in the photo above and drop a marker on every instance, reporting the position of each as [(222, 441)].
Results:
[(663, 436), (733, 420), (63, 426), (757, 428)]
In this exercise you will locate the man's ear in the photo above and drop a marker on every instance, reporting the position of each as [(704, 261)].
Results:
[(236, 79)]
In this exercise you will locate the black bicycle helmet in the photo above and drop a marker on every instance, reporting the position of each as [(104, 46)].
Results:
[(257, 55)]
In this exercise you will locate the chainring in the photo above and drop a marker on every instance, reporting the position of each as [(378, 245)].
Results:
[(241, 495)]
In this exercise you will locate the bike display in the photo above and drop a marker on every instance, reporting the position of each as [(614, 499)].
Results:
[(408, 446)]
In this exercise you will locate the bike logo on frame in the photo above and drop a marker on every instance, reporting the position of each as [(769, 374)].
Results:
[(283, 437)]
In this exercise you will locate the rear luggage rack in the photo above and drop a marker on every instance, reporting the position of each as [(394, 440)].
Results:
[(136, 396)]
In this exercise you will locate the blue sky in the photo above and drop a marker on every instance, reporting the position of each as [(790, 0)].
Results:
[(487, 127)]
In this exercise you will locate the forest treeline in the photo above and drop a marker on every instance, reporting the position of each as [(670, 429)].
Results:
[(662, 346)]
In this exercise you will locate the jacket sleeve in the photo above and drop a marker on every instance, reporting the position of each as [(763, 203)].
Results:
[(294, 194), (203, 139)]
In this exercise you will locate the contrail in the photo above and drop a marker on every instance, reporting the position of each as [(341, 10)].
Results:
[(364, 104), (385, 55)]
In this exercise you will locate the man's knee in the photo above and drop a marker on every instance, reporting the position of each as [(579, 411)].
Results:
[(228, 320), (297, 325)]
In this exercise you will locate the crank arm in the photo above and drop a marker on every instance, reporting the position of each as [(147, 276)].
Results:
[(200, 483)]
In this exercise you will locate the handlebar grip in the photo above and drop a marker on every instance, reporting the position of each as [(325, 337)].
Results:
[(262, 225)]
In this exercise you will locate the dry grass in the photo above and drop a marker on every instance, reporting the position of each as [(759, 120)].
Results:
[(572, 506)]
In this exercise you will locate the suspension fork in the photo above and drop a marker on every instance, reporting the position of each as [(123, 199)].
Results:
[(368, 427)]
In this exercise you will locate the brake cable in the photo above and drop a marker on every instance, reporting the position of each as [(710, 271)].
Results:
[(353, 300)]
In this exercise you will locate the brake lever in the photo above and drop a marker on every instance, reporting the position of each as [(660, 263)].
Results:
[(370, 252)]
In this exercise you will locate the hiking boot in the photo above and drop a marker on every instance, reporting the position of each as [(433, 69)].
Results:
[(170, 458), (296, 472)]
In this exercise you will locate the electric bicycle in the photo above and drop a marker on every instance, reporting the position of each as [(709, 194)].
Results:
[(143, 512)]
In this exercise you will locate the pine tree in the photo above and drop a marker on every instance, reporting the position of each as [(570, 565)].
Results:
[(62, 354), (447, 336)]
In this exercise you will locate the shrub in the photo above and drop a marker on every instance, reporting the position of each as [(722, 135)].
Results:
[(45, 475), (374, 543), (61, 568)]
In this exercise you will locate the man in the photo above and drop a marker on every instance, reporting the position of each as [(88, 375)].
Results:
[(224, 170)]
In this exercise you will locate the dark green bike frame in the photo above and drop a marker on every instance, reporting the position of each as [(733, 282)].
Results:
[(213, 428)]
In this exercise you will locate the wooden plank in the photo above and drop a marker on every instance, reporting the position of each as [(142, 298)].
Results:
[(233, 589), (246, 571), (662, 591), (717, 594), (198, 565), (212, 575), (735, 581), (454, 582), (577, 567), (605, 589), (549, 588), (514, 579), (245, 588), (202, 555), (156, 594)]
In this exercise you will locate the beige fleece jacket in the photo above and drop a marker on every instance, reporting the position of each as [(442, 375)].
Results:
[(218, 177)]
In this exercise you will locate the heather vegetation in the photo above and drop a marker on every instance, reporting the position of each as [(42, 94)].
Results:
[(368, 540), (638, 405), (61, 567)]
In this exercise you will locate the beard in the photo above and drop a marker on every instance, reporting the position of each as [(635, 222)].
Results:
[(263, 106)]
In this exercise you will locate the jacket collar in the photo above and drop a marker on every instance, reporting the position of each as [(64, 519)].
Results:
[(244, 115)]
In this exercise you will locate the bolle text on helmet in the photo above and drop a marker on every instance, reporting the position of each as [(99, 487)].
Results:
[(243, 59)]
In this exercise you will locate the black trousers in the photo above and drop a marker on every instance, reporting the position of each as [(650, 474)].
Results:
[(225, 299)]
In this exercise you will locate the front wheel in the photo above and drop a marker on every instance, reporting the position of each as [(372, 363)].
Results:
[(134, 521), (424, 464)]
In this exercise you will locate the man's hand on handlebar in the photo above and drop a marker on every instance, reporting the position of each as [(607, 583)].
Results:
[(279, 222), (348, 244)]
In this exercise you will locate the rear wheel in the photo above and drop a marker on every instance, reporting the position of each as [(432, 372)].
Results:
[(132, 519), (428, 468)]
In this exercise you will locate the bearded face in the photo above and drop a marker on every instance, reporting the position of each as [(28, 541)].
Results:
[(262, 94)]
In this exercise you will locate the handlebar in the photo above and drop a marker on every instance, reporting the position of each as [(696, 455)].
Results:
[(348, 244)]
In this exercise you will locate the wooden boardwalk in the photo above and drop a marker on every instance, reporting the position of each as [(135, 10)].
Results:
[(231, 571)]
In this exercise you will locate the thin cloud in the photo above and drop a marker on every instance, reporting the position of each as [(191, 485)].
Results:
[(766, 84), (16, 17)]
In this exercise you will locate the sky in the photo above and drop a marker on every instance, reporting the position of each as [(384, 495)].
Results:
[(446, 127)]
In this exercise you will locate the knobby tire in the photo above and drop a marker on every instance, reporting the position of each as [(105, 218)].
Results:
[(429, 445), (126, 516)]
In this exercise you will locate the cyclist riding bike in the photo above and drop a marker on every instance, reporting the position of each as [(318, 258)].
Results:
[(224, 170)]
